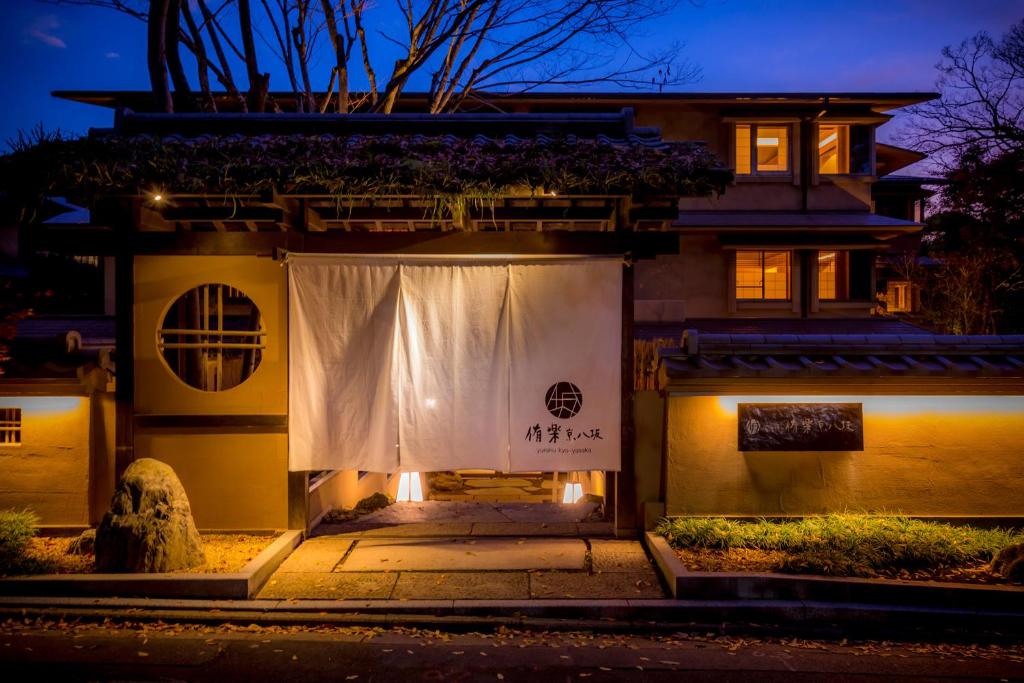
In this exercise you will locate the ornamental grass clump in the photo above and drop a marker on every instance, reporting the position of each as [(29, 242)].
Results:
[(845, 544), (16, 531)]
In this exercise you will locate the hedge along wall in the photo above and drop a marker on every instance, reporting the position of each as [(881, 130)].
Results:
[(923, 455)]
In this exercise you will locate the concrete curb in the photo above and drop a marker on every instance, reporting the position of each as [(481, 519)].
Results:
[(239, 585), (720, 617), (688, 585)]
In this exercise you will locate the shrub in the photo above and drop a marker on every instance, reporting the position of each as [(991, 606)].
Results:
[(16, 530), (845, 544)]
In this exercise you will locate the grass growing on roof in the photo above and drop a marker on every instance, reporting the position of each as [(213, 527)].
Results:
[(845, 544)]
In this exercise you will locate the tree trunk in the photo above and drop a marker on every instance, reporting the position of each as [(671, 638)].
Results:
[(258, 83), (172, 27), (156, 54)]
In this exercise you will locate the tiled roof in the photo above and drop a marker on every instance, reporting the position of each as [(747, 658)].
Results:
[(95, 330), (789, 219), (704, 355), (789, 326)]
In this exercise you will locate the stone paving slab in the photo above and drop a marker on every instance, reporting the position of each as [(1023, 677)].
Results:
[(434, 554), (524, 529), (548, 585), (319, 585), (316, 555), (618, 556), (418, 530), (462, 586)]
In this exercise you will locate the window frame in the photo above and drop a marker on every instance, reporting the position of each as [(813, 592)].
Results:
[(841, 264), (752, 146), (216, 339), (11, 426), (846, 148), (763, 299)]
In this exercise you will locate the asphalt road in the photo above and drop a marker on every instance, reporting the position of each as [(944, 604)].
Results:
[(45, 652)]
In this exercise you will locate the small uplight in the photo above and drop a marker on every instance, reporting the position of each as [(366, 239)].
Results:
[(158, 198), (409, 488), (573, 492)]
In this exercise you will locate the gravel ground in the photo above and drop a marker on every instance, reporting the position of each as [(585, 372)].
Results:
[(225, 553)]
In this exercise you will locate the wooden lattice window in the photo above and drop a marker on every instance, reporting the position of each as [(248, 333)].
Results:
[(212, 337), (10, 426)]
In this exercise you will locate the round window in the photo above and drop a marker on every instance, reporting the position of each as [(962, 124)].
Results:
[(212, 337)]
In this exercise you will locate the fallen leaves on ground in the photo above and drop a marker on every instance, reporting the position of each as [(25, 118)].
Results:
[(225, 553), (510, 637)]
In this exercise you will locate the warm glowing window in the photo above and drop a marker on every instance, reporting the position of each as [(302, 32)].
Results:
[(897, 297), (833, 267), (10, 426), (212, 337), (833, 149), (844, 149), (763, 275), (770, 145)]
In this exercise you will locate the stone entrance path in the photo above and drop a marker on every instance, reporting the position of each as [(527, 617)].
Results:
[(457, 518), (498, 552)]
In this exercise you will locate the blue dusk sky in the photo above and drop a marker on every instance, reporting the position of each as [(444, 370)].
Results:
[(740, 45)]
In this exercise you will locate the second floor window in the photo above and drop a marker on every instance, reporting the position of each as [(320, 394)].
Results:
[(763, 275), (762, 149), (844, 149)]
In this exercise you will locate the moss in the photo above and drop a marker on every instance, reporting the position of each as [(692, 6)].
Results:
[(373, 502), (453, 171)]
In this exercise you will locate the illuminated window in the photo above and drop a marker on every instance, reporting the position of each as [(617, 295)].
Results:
[(844, 149), (10, 426), (833, 267), (897, 297), (212, 337), (763, 275), (833, 149), (772, 149)]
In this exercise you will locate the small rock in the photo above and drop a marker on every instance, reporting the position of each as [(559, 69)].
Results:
[(1009, 563), (374, 502), (85, 544), (149, 527)]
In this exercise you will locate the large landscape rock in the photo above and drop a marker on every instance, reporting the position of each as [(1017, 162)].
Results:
[(1009, 563), (149, 527)]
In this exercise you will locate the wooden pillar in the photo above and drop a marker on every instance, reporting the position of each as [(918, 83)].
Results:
[(625, 481), (124, 303)]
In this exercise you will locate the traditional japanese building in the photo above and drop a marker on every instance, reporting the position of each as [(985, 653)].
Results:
[(667, 300)]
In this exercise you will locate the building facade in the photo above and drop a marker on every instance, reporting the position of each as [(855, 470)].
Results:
[(754, 287)]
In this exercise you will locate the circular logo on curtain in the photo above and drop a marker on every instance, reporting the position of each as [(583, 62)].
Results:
[(564, 400)]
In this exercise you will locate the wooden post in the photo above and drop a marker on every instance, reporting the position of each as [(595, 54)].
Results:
[(124, 303), (625, 481)]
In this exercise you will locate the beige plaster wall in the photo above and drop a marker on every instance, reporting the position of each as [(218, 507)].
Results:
[(49, 472), (923, 455), (234, 480), (698, 276)]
